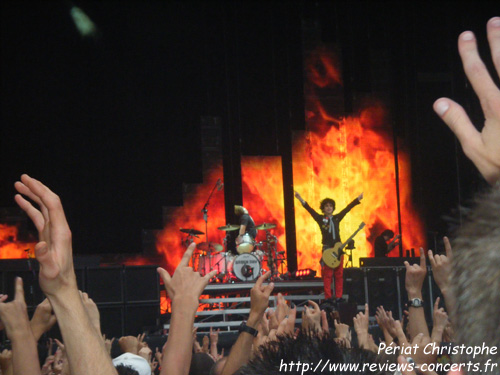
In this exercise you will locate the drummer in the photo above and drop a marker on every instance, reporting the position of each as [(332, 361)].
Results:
[(247, 225)]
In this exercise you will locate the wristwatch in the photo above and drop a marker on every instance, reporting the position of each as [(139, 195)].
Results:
[(416, 302), (247, 329)]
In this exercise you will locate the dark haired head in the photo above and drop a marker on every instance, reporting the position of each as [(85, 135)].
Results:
[(308, 349), (324, 202), (125, 370), (389, 233), (201, 363)]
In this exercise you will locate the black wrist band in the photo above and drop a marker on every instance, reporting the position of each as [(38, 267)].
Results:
[(247, 329)]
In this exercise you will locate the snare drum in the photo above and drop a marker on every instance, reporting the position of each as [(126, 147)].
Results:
[(259, 254), (245, 244), (246, 267)]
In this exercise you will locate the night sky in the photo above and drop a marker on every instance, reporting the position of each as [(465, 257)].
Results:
[(112, 123)]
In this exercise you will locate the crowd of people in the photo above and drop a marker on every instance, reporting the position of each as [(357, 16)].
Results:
[(270, 341)]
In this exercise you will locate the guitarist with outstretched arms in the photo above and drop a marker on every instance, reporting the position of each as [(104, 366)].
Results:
[(329, 225)]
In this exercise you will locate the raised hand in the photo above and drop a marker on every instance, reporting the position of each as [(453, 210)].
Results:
[(158, 355), (196, 344), (6, 362), (242, 348), (92, 311), (325, 328), (481, 147), (185, 283), (415, 275), (441, 266), (54, 251), (3, 298), (60, 365), (384, 321), (342, 330), (361, 321), (140, 341), (297, 195), (214, 339), (184, 287), (108, 344), (146, 353), (282, 308), (205, 344), (259, 297), (86, 352), (311, 317), (290, 320), (440, 319), (43, 319), (14, 314), (214, 336)]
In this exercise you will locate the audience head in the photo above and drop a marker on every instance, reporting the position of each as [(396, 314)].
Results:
[(475, 279), (125, 370), (307, 348), (218, 366), (201, 363)]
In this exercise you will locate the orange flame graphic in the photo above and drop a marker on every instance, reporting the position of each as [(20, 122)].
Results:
[(169, 241), (10, 247), (341, 158), (263, 195)]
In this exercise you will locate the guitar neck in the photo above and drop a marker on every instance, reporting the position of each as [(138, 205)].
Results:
[(352, 236)]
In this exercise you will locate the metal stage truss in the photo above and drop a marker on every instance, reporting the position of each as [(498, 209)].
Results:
[(229, 310), (229, 304)]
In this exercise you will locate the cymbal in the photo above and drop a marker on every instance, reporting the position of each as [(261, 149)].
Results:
[(265, 226), (229, 227), (212, 247), (191, 231)]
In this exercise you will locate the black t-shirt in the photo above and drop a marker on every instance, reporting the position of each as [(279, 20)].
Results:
[(381, 248), (247, 220), (330, 238)]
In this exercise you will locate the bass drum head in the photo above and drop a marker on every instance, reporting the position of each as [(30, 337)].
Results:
[(246, 267)]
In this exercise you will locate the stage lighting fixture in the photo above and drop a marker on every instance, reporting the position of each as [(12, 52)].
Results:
[(306, 273)]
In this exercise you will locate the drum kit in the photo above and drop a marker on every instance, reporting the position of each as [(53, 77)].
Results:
[(247, 265)]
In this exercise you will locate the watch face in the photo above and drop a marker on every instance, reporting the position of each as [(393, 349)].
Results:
[(416, 302)]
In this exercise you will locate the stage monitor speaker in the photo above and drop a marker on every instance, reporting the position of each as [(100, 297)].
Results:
[(386, 262), (142, 284), (140, 316), (347, 312), (383, 290), (354, 285), (104, 285), (112, 321)]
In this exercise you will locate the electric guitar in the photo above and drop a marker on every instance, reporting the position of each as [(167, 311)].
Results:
[(391, 245), (331, 256)]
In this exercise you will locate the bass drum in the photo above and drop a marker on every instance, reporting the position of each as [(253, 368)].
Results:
[(245, 244), (246, 267)]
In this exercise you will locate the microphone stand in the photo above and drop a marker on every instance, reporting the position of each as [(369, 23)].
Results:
[(205, 210), (32, 270)]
